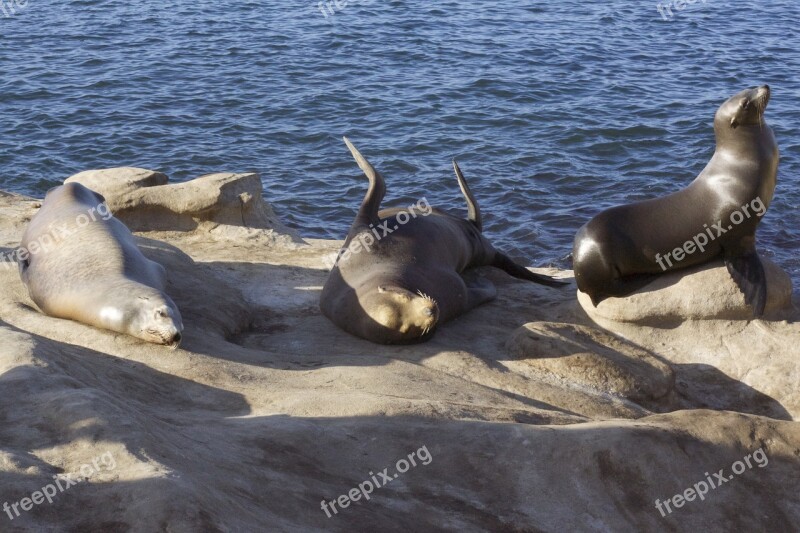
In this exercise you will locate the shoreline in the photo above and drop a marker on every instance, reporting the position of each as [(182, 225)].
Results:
[(522, 393)]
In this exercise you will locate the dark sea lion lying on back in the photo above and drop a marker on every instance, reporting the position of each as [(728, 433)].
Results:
[(400, 274), (624, 248)]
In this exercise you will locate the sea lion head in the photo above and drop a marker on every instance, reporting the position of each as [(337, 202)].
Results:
[(743, 109), (403, 316), (150, 315)]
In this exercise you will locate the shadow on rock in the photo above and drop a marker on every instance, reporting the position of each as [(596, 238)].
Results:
[(63, 406), (244, 474), (597, 359)]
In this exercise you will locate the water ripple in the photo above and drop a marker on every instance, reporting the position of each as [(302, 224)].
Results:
[(554, 110)]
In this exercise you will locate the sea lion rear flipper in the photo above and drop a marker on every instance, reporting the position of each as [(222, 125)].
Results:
[(368, 212), (503, 262), (473, 211), (748, 273)]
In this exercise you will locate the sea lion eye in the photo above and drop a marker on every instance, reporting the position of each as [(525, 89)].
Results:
[(161, 313), (744, 104)]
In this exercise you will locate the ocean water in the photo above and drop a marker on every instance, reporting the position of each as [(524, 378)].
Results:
[(554, 109)]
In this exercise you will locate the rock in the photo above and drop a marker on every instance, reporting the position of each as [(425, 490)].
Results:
[(144, 201), (704, 292), (267, 408), (116, 182), (592, 358)]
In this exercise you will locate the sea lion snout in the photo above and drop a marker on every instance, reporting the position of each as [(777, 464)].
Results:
[(163, 325), (176, 339), (743, 109), (428, 312), (175, 335), (762, 97), (172, 336)]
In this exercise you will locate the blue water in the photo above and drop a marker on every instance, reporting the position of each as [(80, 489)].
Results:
[(555, 109)]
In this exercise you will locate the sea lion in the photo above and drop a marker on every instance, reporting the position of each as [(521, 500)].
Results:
[(623, 248), (400, 272), (80, 263)]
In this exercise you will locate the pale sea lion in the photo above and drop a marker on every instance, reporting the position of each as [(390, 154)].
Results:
[(80, 263), (395, 288), (623, 248)]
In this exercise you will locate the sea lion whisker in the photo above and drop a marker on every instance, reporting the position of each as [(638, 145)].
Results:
[(426, 296)]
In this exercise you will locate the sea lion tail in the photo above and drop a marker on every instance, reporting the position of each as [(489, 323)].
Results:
[(505, 263), (368, 212), (474, 212)]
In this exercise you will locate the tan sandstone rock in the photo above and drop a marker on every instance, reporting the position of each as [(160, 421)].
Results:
[(699, 293), (267, 408), (144, 201), (116, 182), (592, 358)]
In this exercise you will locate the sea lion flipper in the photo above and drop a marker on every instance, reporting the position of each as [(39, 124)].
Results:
[(23, 263), (473, 211), (479, 290), (748, 273), (368, 212), (503, 262)]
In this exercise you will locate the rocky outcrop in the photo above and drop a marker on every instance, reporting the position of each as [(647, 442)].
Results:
[(589, 357), (144, 201), (524, 415), (704, 292), (115, 183)]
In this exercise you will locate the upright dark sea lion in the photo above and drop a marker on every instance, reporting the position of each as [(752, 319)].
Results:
[(623, 248), (80, 263), (400, 273)]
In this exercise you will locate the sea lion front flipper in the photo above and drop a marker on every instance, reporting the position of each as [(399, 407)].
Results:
[(368, 212), (748, 273), (23, 264), (503, 262), (473, 211), (479, 290)]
